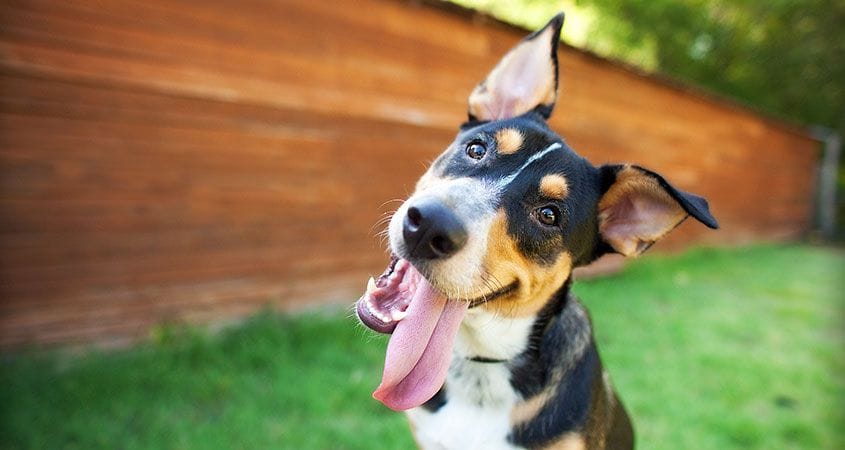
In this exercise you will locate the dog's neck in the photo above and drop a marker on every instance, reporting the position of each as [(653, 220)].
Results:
[(489, 336), (520, 357)]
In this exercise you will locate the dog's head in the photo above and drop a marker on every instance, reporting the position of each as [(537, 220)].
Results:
[(502, 217)]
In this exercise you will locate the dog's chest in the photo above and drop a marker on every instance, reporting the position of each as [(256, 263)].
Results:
[(479, 399), (479, 396)]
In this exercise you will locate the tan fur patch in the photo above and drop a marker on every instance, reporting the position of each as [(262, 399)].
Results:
[(628, 180), (505, 263), (636, 211), (569, 441), (509, 140), (527, 410), (554, 186)]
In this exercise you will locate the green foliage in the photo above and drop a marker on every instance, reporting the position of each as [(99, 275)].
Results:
[(714, 349), (786, 56)]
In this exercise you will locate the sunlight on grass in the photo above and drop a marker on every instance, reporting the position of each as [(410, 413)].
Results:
[(714, 349)]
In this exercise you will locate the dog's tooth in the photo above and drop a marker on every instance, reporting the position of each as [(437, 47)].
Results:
[(398, 315), (371, 285), (373, 310), (371, 307)]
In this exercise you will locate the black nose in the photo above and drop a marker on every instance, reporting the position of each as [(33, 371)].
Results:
[(432, 230)]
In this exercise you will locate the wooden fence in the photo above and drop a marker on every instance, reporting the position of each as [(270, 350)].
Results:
[(194, 161)]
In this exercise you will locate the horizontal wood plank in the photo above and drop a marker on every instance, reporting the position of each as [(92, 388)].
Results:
[(196, 161)]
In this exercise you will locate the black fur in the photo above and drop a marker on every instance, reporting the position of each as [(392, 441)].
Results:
[(531, 369), (567, 410), (438, 401)]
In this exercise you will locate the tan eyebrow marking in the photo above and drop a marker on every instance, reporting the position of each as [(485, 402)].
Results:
[(509, 140), (554, 186)]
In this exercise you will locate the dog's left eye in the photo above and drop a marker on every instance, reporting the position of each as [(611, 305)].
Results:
[(547, 215), (476, 150)]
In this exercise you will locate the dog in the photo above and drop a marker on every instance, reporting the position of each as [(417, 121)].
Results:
[(489, 348)]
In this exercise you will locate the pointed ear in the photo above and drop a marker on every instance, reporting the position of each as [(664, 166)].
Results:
[(639, 207), (524, 80)]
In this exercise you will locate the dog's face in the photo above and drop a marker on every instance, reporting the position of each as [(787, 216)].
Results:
[(501, 218)]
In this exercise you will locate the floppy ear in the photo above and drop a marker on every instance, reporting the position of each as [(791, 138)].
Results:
[(524, 80), (639, 207)]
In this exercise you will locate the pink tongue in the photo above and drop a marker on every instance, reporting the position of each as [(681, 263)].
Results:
[(420, 349)]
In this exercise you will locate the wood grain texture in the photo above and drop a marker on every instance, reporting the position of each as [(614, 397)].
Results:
[(196, 161)]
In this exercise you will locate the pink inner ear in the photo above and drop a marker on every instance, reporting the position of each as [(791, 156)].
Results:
[(637, 219), (523, 80), (530, 76)]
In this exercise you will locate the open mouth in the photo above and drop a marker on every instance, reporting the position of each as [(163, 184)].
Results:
[(387, 298), (423, 324)]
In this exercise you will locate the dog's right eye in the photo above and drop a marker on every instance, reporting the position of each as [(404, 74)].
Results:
[(476, 150), (547, 215)]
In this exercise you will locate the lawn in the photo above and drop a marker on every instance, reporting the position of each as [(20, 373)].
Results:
[(713, 349)]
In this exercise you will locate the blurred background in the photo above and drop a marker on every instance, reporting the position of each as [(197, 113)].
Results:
[(190, 195)]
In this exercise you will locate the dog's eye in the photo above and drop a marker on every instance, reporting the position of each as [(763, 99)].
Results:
[(547, 215), (476, 150)]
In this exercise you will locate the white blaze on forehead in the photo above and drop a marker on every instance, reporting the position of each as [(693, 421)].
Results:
[(504, 182), (469, 198)]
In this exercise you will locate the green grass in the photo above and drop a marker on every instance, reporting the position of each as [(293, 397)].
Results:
[(713, 349), (728, 349)]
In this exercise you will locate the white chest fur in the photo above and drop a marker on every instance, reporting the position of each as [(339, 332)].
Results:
[(479, 395)]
